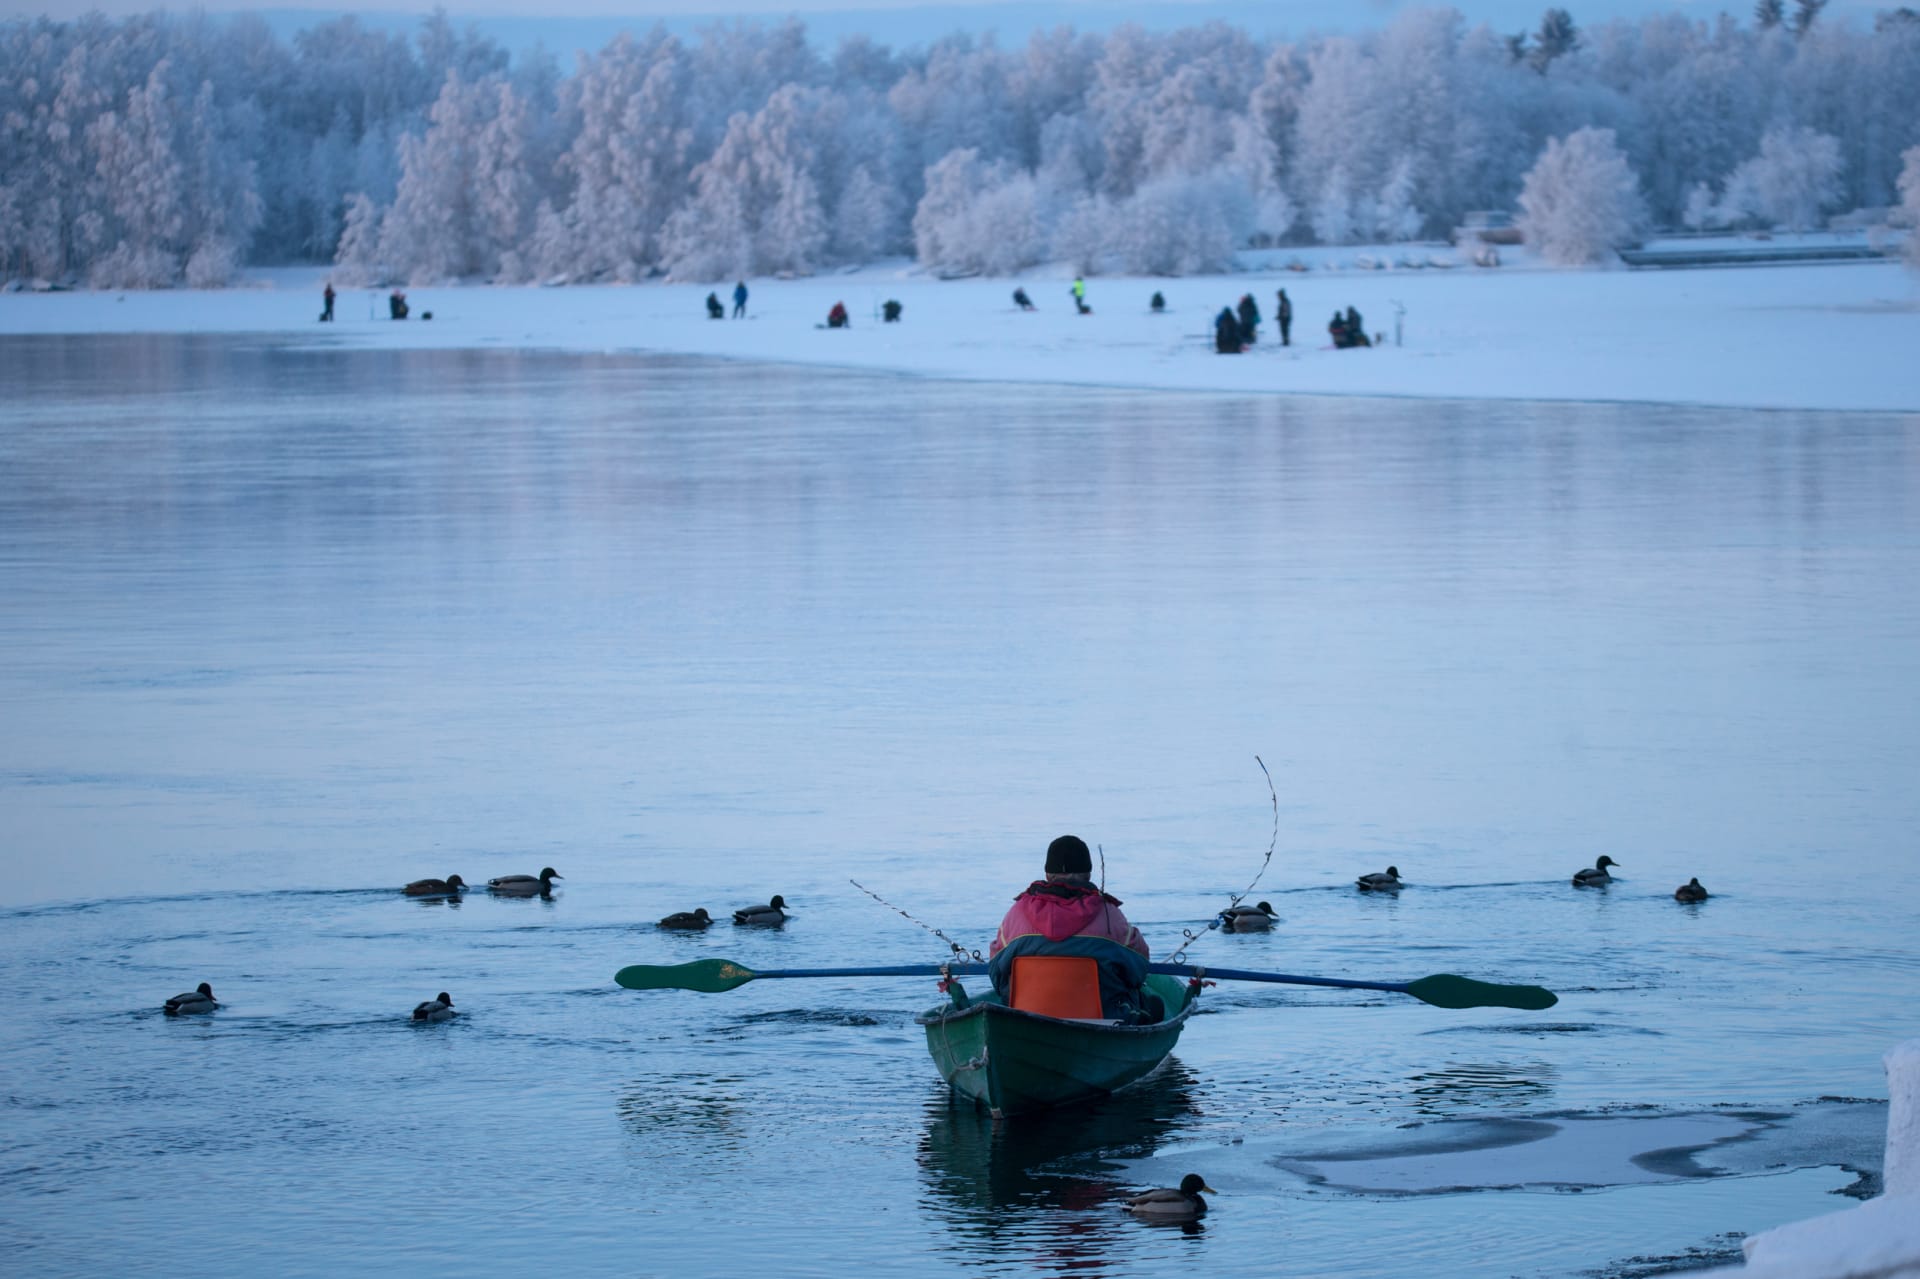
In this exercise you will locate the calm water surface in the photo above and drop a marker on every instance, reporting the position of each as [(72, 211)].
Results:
[(282, 629)]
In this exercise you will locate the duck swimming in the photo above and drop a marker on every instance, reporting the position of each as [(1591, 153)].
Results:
[(1247, 919), (1379, 883), (771, 915), (1184, 1204), (439, 1008), (451, 886), (1595, 874), (200, 1000), (688, 919), (1690, 891), (526, 885)]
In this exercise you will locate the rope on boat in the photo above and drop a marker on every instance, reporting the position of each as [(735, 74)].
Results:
[(952, 945), (1192, 936)]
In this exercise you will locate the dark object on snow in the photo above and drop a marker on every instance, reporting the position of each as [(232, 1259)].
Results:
[(1226, 332), (739, 301), (1353, 324), (714, 310), (1157, 303), (326, 316), (1249, 319), (1283, 315), (426, 315), (396, 305), (890, 311), (1344, 332), (837, 318), (1021, 300)]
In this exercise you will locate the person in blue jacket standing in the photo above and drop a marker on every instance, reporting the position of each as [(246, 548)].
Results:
[(740, 300)]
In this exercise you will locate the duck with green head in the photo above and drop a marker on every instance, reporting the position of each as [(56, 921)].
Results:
[(439, 1008), (1182, 1204), (526, 885), (198, 1000), (771, 915), (1248, 919), (1595, 876)]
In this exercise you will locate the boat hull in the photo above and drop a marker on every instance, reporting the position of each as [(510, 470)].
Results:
[(1013, 1062)]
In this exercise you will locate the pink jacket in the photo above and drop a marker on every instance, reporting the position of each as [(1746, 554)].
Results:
[(1060, 911)]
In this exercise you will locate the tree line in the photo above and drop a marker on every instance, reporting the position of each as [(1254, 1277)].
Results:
[(160, 149)]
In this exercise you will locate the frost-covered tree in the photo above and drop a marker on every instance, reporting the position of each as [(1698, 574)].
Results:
[(1395, 218), (358, 260), (1333, 211), (1910, 203), (1790, 183), (1703, 208), (978, 217), (1581, 200), (1768, 14), (1181, 225)]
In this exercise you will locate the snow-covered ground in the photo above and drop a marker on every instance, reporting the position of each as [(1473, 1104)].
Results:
[(1842, 336)]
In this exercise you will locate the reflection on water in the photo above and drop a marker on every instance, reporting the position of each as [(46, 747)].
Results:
[(1042, 1184), (1464, 1085)]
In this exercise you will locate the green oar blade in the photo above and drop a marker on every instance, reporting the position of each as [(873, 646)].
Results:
[(708, 976), (1444, 990)]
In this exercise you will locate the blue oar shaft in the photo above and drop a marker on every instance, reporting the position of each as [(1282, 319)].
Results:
[(1241, 974), (1170, 970)]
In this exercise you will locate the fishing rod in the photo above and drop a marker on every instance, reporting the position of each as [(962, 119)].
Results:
[(1188, 933)]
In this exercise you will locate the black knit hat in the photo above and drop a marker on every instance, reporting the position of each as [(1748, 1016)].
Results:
[(1068, 855)]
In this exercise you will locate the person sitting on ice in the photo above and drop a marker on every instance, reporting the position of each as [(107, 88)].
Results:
[(1021, 300), (890, 311), (1337, 327), (1066, 915), (1355, 329), (1226, 332), (1249, 319), (715, 311), (397, 305), (1157, 303), (837, 318)]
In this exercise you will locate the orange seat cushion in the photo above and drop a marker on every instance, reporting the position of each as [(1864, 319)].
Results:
[(1056, 986)]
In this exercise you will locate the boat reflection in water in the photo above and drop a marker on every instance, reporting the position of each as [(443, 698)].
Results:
[(1041, 1185)]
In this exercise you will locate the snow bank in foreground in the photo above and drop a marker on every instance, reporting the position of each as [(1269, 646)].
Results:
[(1791, 337), (1879, 1239)]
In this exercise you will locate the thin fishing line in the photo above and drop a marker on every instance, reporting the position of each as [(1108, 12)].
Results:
[(952, 945), (1192, 936)]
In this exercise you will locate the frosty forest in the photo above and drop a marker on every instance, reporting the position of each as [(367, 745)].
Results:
[(164, 150)]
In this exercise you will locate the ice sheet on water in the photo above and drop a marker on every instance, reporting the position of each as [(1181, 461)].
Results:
[(1563, 1152)]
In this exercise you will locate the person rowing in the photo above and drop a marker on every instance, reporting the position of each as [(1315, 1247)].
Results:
[(1066, 914)]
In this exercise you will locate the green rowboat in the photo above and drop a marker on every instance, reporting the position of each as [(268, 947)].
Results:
[(1014, 1062)]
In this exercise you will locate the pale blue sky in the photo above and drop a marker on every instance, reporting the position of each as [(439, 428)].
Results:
[(584, 24)]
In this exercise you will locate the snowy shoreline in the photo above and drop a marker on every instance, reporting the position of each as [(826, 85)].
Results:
[(1804, 337)]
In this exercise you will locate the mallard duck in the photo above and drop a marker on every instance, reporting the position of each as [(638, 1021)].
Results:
[(1184, 1204), (199, 1000), (439, 1008), (1594, 874), (1247, 919), (688, 919), (771, 915), (1376, 882), (1690, 891), (451, 886), (526, 885)]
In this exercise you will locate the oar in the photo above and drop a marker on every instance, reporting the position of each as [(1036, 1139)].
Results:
[(1442, 990)]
